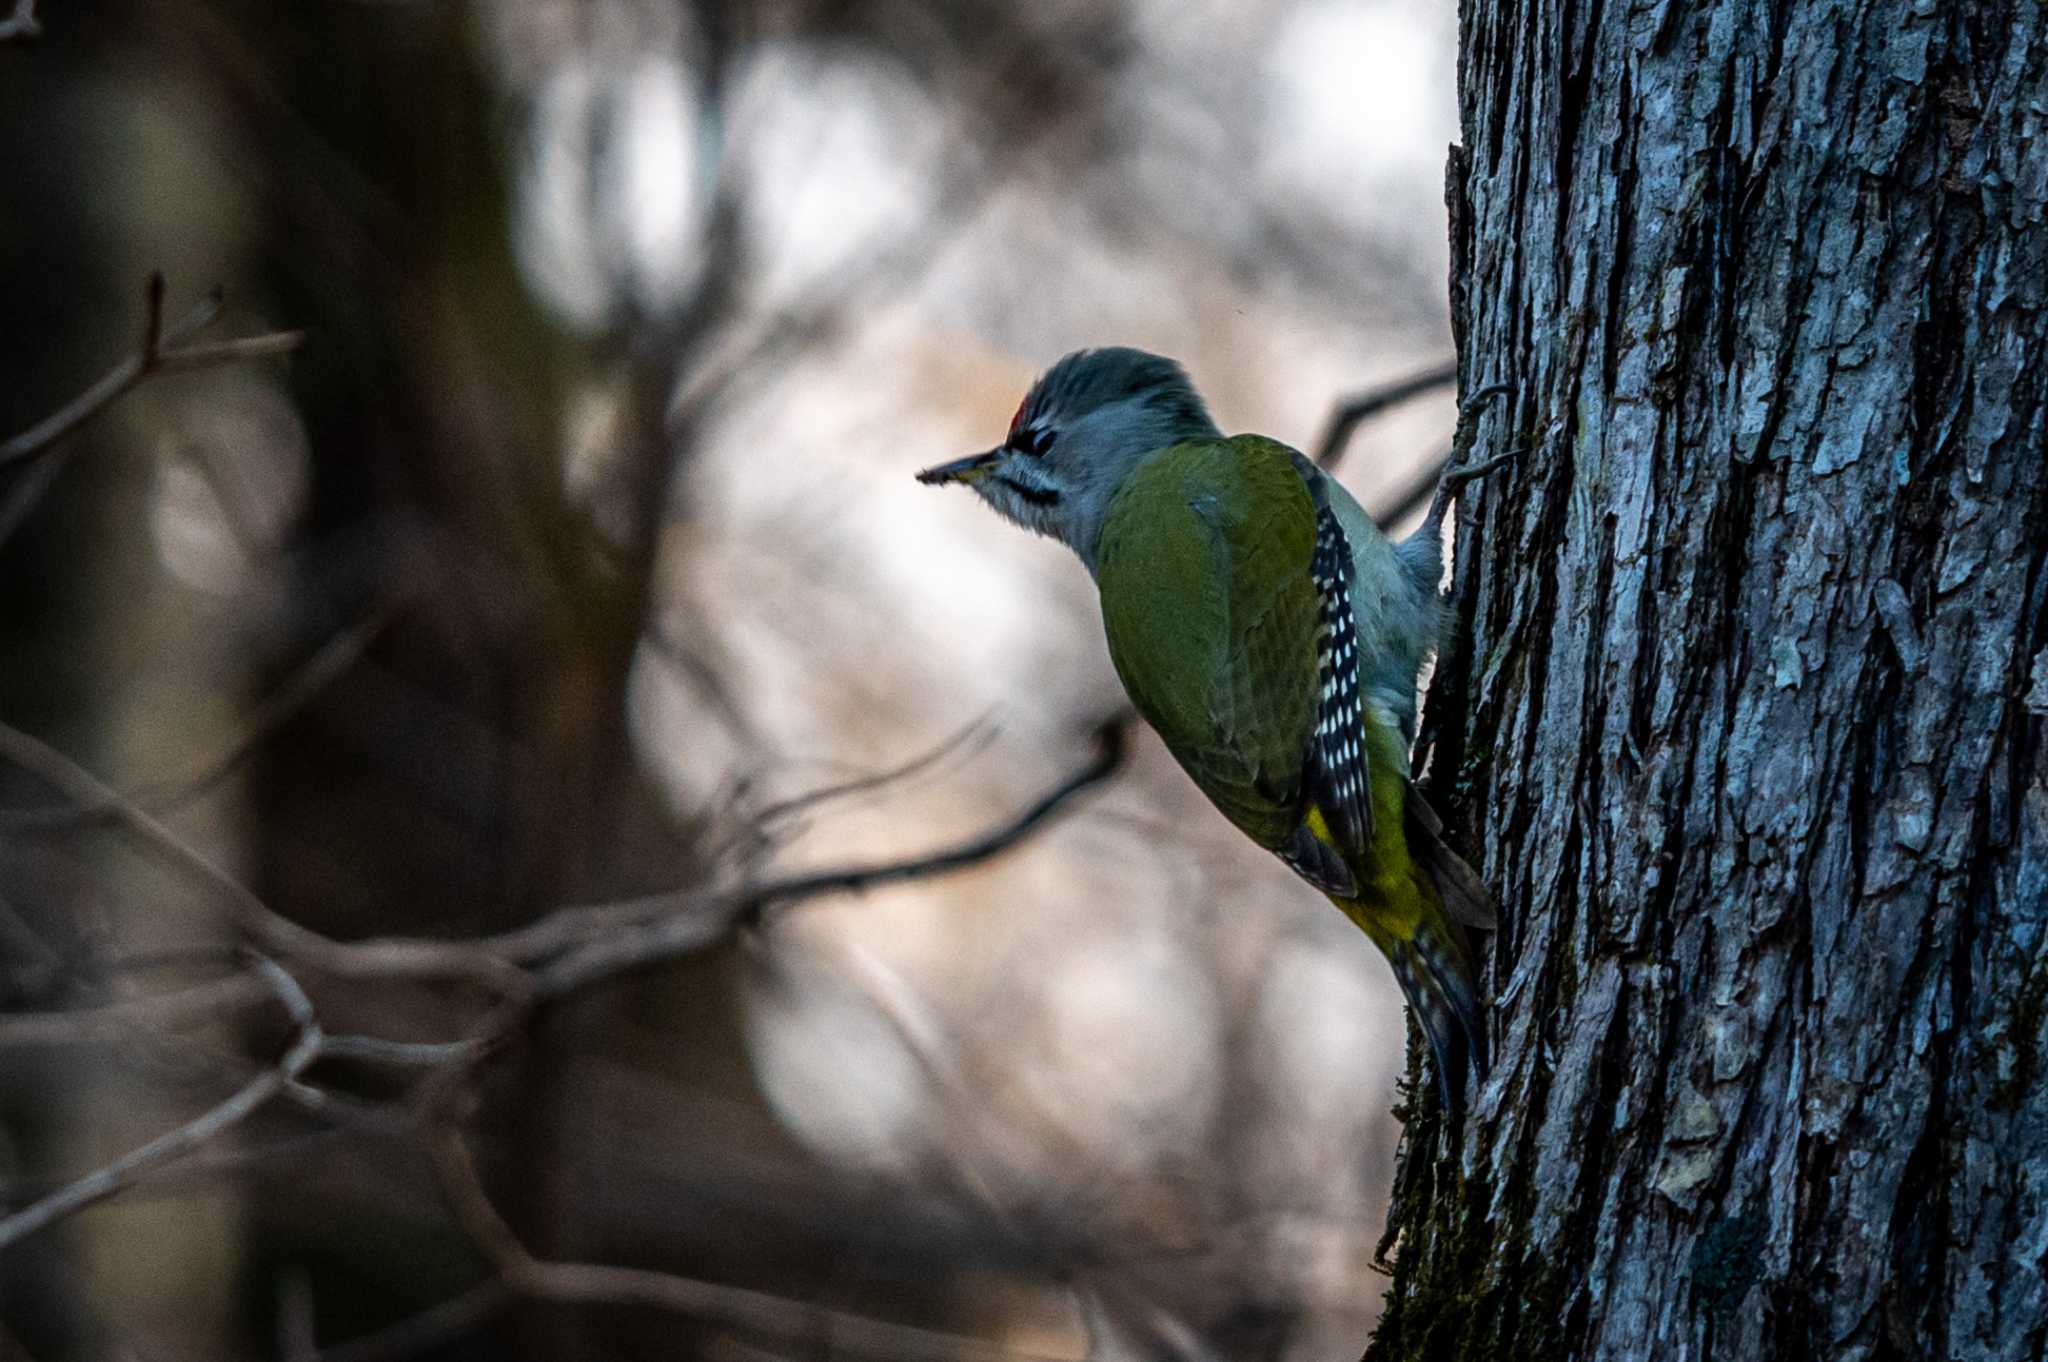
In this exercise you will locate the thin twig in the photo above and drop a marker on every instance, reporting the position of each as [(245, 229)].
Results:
[(580, 945), (160, 797), (586, 946), (31, 484), (979, 732), (669, 936), (112, 1021), (118, 380), (409, 1054), (273, 933), (1414, 494), (718, 911), (205, 1168), (163, 351), (206, 354), (943, 1066), (463, 1190), (110, 1178), (756, 832), (1350, 412)]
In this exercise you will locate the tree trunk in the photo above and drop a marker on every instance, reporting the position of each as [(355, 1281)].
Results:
[(1746, 713)]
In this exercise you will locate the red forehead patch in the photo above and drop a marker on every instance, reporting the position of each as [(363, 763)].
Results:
[(1018, 419)]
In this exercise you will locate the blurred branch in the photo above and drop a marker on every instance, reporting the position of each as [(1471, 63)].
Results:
[(22, 25), (1414, 493), (332, 659), (757, 832), (1439, 477), (755, 1313), (962, 1095), (274, 933), (85, 1025), (1003, 67), (578, 945), (163, 351), (601, 945), (1352, 411), (565, 952), (108, 1179), (979, 733)]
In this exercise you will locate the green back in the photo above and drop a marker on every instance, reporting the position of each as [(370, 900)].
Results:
[(1211, 615)]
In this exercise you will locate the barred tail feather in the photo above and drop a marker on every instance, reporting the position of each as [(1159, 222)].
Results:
[(1435, 972)]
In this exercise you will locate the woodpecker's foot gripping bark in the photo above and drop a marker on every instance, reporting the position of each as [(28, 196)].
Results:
[(1465, 469)]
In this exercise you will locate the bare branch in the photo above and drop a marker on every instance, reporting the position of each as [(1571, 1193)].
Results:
[(584, 946), (589, 939), (754, 1313), (123, 376), (110, 1178), (976, 734), (30, 486), (318, 672), (206, 354), (757, 831), (1352, 411), (88, 1025), (1414, 494), (1439, 480), (162, 351), (414, 1054), (272, 932), (579, 946), (665, 934)]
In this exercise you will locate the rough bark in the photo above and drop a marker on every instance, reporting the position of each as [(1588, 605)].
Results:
[(1748, 722)]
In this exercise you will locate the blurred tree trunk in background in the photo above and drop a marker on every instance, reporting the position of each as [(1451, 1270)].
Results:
[(1749, 720), (478, 771), (437, 404)]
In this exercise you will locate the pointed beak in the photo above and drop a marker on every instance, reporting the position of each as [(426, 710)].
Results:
[(971, 469)]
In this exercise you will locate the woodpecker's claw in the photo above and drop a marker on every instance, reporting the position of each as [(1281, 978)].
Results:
[(1473, 403), (1464, 471), (1454, 478)]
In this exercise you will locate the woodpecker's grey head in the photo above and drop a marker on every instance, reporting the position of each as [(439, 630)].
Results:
[(1076, 435)]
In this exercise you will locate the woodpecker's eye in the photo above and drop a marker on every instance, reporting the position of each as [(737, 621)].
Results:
[(1034, 441)]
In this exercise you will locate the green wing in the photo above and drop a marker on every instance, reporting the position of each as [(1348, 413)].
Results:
[(1211, 614)]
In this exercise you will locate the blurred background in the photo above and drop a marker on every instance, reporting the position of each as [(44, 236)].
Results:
[(573, 555)]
